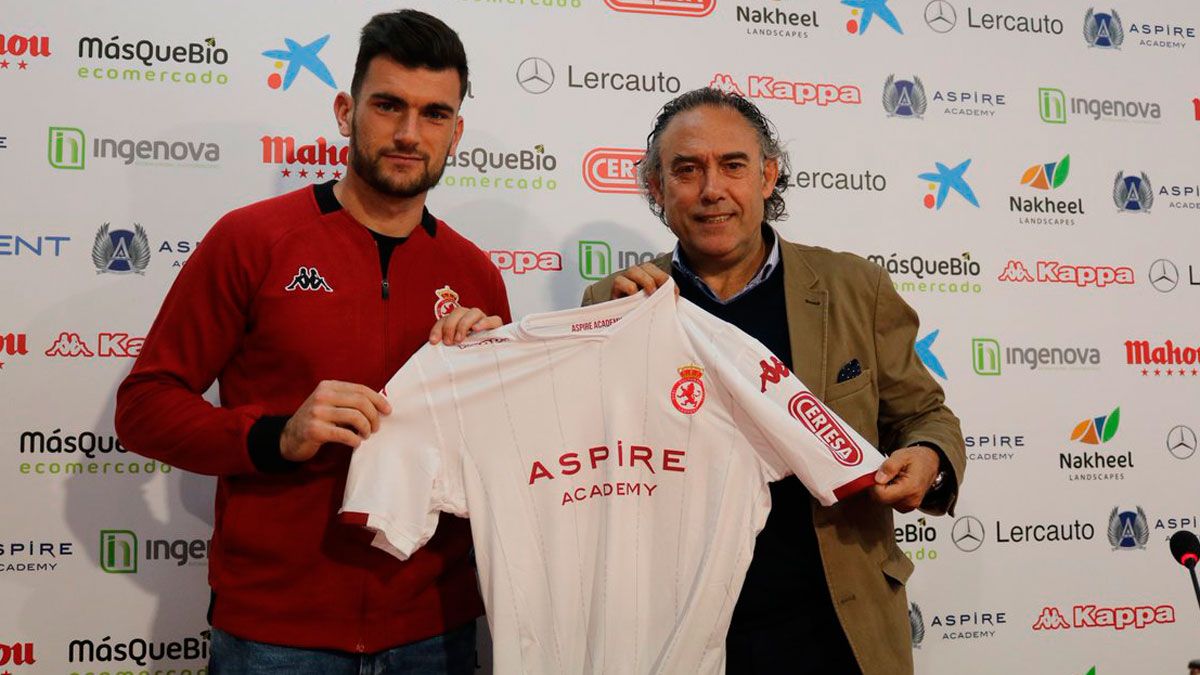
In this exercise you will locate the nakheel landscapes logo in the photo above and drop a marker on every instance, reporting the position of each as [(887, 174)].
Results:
[(1096, 465)]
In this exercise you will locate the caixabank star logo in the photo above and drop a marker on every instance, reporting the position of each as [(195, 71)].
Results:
[(298, 58), (944, 179), (863, 13)]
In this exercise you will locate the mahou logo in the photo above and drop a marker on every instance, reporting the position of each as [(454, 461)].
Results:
[(612, 170), (22, 48), (672, 7), (808, 410), (1055, 272), (1137, 617), (17, 654), (318, 158), (800, 93)]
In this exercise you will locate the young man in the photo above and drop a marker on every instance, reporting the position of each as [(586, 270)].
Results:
[(824, 592), (302, 307)]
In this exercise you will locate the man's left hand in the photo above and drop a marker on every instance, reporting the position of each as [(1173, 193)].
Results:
[(905, 476), (461, 322)]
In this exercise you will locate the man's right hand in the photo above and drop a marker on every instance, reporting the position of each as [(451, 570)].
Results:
[(336, 412), (645, 277)]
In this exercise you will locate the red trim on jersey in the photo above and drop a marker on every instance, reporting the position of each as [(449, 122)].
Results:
[(855, 486), (354, 518)]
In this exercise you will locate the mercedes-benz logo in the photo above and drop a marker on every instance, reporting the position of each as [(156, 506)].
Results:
[(535, 75), (940, 16), (1181, 441), (967, 534), (1164, 275)]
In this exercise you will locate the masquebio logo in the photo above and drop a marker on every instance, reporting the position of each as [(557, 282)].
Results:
[(943, 179), (612, 170), (111, 60), (863, 12), (694, 8), (298, 58), (22, 49)]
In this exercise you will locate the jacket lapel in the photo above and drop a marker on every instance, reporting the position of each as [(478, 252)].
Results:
[(808, 314)]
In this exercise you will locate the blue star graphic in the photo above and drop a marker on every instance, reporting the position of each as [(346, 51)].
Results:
[(925, 353), (299, 57), (948, 179), (871, 8)]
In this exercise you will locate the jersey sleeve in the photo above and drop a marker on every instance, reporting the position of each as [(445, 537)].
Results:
[(406, 473), (792, 431)]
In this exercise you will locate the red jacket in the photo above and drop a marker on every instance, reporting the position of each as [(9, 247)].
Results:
[(280, 295)]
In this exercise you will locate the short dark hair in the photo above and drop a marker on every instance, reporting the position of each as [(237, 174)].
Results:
[(415, 40), (650, 166)]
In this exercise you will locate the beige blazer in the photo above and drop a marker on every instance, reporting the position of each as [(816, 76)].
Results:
[(841, 307)]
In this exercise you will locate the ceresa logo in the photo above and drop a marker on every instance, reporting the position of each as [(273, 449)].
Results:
[(808, 410), (612, 170), (673, 7)]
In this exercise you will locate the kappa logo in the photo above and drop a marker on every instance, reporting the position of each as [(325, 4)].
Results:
[(121, 251), (800, 93), (308, 279), (1137, 617), (669, 7), (772, 371), (1054, 272), (71, 345), (687, 395), (1128, 530), (808, 411), (447, 301)]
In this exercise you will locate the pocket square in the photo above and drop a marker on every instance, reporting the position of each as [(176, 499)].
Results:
[(851, 370)]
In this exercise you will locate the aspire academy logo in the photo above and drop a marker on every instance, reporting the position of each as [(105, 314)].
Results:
[(121, 251), (612, 170), (694, 8)]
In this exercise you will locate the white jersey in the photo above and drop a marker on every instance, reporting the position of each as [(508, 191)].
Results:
[(614, 463)]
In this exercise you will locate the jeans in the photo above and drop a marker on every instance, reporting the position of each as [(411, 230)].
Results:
[(450, 654)]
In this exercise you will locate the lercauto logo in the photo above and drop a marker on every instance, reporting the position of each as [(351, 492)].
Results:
[(924, 348), (863, 11), (1103, 30), (612, 170), (1098, 430), (945, 179), (1048, 176), (298, 57), (672, 7)]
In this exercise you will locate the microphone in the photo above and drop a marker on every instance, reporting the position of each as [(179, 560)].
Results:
[(1185, 547)]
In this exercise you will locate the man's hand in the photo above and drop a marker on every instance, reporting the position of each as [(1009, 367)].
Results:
[(461, 322), (904, 478), (645, 277), (336, 412)]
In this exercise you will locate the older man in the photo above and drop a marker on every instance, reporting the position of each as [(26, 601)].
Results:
[(824, 592)]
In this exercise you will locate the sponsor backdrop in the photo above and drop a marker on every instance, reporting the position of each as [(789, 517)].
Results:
[(1025, 170)]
